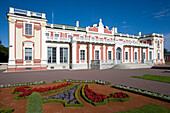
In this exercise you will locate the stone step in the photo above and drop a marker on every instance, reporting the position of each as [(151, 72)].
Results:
[(131, 66)]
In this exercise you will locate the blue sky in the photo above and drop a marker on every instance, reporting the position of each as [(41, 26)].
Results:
[(130, 16)]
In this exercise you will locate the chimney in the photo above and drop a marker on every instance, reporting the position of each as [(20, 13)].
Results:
[(77, 23), (139, 33)]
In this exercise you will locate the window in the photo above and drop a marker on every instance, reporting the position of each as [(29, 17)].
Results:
[(101, 39), (158, 56), (158, 43), (81, 37), (108, 40), (150, 55), (56, 36), (109, 55), (144, 55), (28, 53), (63, 55), (96, 55), (47, 35), (166, 58), (69, 36), (126, 55), (28, 29), (51, 53), (92, 38), (82, 54)]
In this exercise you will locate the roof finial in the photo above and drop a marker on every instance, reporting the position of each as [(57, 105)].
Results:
[(100, 23)]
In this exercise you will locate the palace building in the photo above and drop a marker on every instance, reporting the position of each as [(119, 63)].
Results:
[(35, 44)]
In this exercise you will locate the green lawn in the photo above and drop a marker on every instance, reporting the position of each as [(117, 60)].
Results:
[(151, 108), (167, 63), (155, 78)]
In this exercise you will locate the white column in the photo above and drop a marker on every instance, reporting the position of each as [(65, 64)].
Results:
[(90, 55), (74, 52), (132, 54), (104, 52), (11, 42), (90, 46), (163, 51), (43, 46), (140, 54)]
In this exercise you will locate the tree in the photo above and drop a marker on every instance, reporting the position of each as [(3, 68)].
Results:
[(3, 53)]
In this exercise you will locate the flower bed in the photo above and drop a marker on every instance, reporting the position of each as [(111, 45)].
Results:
[(155, 95), (68, 97), (22, 84), (100, 99), (83, 81), (25, 91)]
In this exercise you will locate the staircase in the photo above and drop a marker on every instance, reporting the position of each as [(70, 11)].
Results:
[(131, 66)]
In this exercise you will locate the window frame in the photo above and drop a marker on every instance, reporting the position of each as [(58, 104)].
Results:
[(55, 36), (126, 55), (52, 59), (28, 28), (28, 55), (109, 56), (97, 57), (82, 55), (158, 43), (63, 60)]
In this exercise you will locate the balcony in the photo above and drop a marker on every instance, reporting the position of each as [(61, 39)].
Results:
[(26, 13), (57, 39)]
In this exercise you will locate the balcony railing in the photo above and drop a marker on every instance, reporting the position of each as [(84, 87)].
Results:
[(26, 13)]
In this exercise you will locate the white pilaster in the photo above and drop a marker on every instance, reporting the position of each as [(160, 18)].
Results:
[(132, 54), (11, 42), (74, 52), (43, 46), (140, 54), (104, 52), (90, 52)]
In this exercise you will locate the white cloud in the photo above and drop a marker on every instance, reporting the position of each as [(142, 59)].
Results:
[(125, 26), (162, 13), (124, 22), (167, 41)]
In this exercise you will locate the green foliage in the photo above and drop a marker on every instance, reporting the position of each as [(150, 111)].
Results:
[(1, 104), (167, 63), (3, 53), (9, 110), (34, 103), (145, 94), (155, 78), (151, 108)]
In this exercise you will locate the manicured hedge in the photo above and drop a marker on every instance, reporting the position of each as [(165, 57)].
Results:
[(47, 92), (83, 81), (9, 110), (64, 102), (34, 103), (22, 84), (154, 95)]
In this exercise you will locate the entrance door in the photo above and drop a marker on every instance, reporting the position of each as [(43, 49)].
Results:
[(118, 55), (136, 57)]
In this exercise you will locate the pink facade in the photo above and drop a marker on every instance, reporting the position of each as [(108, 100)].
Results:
[(35, 44)]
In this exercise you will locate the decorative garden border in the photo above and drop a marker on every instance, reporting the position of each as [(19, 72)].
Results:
[(154, 95), (18, 98), (22, 84), (105, 100), (83, 81), (64, 102)]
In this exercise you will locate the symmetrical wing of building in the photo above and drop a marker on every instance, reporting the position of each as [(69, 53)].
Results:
[(35, 44)]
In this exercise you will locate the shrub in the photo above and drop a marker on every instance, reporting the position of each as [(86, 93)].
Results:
[(34, 103), (9, 110)]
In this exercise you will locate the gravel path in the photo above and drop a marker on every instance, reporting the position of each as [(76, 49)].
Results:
[(115, 76)]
